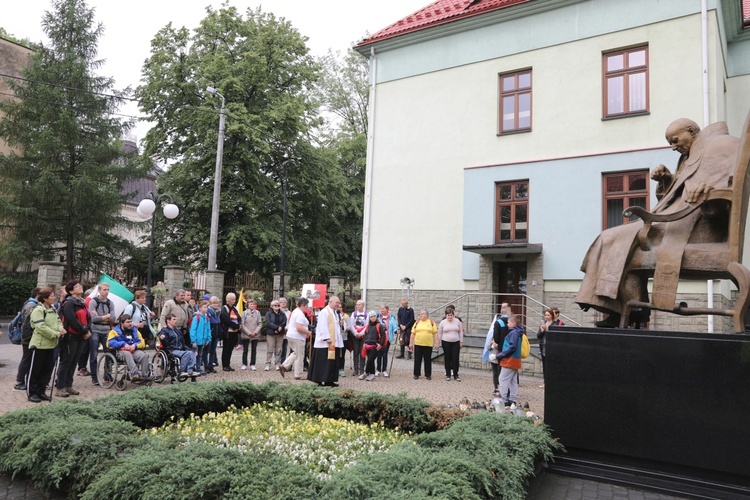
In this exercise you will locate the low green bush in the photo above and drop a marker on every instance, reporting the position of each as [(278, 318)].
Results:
[(15, 290), (201, 471), (91, 449)]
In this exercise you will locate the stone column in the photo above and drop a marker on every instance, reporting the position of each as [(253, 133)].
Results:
[(277, 282), (50, 274), (174, 279), (336, 285), (215, 283)]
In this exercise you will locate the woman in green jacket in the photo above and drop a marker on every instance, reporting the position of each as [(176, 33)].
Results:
[(47, 331)]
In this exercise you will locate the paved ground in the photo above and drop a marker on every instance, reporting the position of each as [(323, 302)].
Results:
[(476, 385)]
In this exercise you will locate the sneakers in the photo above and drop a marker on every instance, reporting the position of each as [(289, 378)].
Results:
[(267, 368), (342, 373), (44, 397), (136, 377), (277, 367), (496, 392), (243, 367), (458, 379), (186, 374), (377, 373), (416, 377), (72, 391), (228, 369), (238, 347), (400, 357), (428, 378), (94, 382), (61, 393), (195, 373), (447, 379), (363, 376), (370, 378), (19, 387), (35, 399), (385, 374), (83, 372), (252, 367)]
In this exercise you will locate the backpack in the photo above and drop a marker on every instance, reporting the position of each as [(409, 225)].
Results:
[(19, 330), (525, 347), (14, 328)]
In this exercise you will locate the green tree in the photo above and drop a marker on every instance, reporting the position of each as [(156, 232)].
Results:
[(262, 66), (60, 190), (343, 92)]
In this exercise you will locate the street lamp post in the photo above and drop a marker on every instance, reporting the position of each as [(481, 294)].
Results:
[(282, 262), (146, 208), (214, 238)]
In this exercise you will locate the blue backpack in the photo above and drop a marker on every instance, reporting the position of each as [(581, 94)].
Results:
[(20, 330), (15, 328)]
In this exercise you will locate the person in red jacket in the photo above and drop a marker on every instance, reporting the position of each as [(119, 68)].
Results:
[(77, 321)]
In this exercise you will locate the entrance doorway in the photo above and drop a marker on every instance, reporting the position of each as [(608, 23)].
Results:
[(510, 278)]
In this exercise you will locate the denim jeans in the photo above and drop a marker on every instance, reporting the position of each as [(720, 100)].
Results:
[(383, 359), (213, 359), (187, 360), (95, 340)]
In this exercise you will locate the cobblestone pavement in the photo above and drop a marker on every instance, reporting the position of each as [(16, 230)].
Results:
[(475, 385)]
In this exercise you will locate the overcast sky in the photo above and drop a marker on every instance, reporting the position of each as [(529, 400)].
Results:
[(130, 26)]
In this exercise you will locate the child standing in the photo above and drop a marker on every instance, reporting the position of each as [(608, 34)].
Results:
[(510, 361), (214, 319), (200, 334)]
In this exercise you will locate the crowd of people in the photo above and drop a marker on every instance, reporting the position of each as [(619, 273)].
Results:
[(65, 326)]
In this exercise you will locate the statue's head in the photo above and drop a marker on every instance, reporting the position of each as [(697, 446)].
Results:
[(681, 134)]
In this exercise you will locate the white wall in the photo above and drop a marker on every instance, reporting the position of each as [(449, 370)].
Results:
[(430, 127)]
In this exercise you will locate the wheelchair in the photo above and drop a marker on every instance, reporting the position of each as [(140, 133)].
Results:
[(164, 364), (111, 371)]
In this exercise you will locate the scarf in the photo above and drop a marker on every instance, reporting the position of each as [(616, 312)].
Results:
[(332, 333)]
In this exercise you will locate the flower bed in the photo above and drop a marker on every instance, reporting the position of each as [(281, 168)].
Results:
[(97, 449), (323, 445)]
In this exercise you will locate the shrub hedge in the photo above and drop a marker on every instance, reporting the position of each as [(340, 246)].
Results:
[(14, 290), (91, 449)]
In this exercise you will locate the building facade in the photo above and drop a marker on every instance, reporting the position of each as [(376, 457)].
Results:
[(505, 135)]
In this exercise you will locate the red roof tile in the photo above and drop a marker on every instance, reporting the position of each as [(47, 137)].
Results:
[(437, 13)]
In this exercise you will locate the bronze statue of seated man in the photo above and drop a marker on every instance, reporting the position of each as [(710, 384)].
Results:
[(615, 261)]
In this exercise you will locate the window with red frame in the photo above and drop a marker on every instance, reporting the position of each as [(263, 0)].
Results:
[(623, 190), (626, 82), (512, 213), (515, 102)]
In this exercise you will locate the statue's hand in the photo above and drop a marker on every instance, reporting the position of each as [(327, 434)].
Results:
[(696, 192), (661, 174)]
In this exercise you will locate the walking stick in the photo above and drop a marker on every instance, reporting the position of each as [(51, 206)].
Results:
[(54, 376), (398, 343)]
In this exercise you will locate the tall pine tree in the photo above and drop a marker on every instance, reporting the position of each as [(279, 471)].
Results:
[(60, 190)]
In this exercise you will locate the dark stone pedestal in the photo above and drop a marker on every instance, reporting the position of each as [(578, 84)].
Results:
[(679, 399)]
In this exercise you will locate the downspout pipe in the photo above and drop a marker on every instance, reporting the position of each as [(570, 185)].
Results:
[(706, 119), (364, 275)]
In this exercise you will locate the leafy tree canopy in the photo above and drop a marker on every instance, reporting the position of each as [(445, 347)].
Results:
[(262, 66)]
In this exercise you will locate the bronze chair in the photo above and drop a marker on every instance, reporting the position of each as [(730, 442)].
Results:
[(722, 260)]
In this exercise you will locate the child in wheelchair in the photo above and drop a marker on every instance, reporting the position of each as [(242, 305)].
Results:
[(127, 343), (172, 341)]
